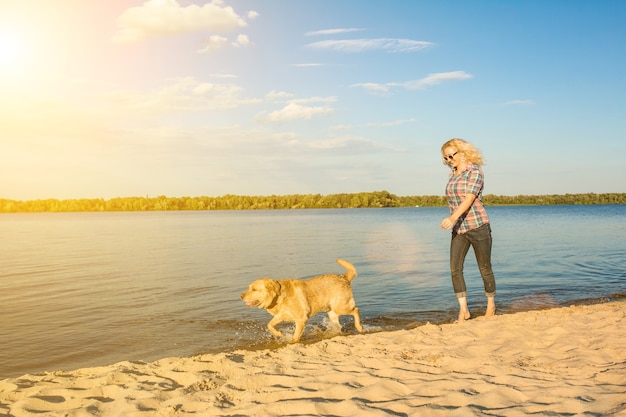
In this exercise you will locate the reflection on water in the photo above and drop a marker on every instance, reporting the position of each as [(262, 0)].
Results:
[(536, 301), (87, 289)]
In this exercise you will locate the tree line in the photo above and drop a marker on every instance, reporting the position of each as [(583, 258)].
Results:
[(376, 199)]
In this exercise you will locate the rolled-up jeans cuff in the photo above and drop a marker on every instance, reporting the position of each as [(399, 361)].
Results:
[(461, 294), (490, 294)]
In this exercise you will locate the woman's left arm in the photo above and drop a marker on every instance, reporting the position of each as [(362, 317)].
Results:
[(465, 205)]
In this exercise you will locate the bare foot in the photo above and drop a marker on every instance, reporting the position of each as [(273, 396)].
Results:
[(491, 307), (464, 315)]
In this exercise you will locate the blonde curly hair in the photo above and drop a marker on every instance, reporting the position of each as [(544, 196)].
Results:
[(467, 150)]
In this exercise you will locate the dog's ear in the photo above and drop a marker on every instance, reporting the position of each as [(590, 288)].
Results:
[(273, 287)]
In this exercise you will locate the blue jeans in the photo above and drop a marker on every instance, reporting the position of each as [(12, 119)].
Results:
[(480, 240)]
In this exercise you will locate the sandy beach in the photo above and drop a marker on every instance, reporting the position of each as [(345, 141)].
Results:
[(563, 361)]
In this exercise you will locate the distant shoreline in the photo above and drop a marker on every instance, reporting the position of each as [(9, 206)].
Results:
[(375, 199)]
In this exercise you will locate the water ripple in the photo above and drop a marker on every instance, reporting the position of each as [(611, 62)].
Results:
[(87, 289)]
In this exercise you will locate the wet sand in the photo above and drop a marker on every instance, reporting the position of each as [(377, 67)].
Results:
[(562, 361)]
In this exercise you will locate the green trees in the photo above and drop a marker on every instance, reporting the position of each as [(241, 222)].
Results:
[(375, 199)]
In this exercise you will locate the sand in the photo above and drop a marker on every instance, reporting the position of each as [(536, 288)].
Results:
[(558, 362)]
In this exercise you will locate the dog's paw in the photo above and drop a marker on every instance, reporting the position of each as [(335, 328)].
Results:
[(277, 333)]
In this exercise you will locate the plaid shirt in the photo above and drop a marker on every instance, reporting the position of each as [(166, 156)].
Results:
[(470, 181)]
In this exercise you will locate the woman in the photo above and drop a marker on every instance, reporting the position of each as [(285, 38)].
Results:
[(468, 221)]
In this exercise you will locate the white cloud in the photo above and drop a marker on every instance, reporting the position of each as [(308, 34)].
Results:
[(214, 43), (374, 88), (519, 103), (332, 31), (252, 15), (295, 111), (331, 99), (430, 80), (285, 96), (184, 94), (392, 123), (278, 95), (223, 75), (340, 128), (360, 45), (242, 40), (338, 143), (437, 78), (167, 17), (356, 144)]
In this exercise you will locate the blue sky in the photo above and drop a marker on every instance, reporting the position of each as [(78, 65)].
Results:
[(187, 98)]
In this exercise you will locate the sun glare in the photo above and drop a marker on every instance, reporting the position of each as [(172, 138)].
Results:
[(11, 51)]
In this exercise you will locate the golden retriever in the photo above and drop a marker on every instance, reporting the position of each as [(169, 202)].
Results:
[(297, 301)]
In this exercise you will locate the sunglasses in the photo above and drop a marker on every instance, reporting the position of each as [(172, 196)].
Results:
[(449, 157)]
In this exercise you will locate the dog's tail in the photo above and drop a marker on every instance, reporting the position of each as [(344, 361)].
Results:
[(350, 269)]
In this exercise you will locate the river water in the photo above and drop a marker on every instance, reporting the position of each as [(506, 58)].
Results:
[(90, 289)]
